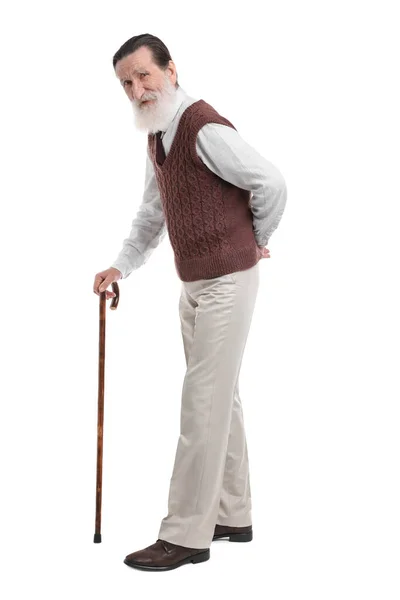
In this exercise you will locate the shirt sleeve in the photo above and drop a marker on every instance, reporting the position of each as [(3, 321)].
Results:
[(148, 228), (226, 154)]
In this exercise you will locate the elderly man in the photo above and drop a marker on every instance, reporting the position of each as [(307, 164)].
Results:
[(220, 201)]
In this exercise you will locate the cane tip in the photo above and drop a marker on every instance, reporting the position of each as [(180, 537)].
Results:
[(97, 538)]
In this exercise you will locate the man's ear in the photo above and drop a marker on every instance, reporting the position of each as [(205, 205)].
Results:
[(173, 71)]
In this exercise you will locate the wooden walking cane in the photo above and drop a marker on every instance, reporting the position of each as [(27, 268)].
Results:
[(100, 409)]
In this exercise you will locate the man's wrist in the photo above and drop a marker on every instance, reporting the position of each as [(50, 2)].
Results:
[(120, 272)]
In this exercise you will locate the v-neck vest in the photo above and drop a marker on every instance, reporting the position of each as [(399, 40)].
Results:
[(208, 219)]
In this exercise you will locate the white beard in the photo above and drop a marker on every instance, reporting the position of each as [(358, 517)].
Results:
[(156, 115)]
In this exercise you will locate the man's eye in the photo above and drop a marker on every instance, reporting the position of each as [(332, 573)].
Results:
[(125, 82), (143, 74)]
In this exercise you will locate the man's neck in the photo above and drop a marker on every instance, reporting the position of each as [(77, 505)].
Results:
[(180, 96)]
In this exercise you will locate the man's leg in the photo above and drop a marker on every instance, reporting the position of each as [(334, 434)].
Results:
[(216, 315), (235, 501)]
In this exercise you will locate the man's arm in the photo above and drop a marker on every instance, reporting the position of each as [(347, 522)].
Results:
[(224, 152), (148, 228)]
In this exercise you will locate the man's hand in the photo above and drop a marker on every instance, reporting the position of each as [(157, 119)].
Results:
[(103, 279), (264, 251)]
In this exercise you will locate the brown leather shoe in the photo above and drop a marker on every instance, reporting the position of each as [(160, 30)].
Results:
[(163, 556), (235, 534)]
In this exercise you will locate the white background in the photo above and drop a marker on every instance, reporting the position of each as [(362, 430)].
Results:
[(312, 86)]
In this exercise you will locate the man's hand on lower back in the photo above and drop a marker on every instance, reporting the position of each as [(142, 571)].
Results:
[(264, 251)]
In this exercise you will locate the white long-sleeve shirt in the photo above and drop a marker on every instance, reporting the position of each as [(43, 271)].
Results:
[(226, 154)]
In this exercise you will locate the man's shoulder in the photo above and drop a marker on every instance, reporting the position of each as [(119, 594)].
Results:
[(201, 113)]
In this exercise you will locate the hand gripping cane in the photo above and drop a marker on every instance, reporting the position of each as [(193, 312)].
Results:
[(100, 409)]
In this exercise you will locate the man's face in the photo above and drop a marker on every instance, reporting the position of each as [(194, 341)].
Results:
[(150, 89)]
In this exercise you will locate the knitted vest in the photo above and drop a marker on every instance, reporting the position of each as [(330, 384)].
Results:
[(209, 221)]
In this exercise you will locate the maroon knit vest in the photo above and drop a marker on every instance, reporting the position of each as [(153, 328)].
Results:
[(209, 220)]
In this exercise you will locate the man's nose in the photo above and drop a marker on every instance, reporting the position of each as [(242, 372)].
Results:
[(137, 90)]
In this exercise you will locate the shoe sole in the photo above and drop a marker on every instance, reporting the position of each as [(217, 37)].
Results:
[(235, 537), (197, 558)]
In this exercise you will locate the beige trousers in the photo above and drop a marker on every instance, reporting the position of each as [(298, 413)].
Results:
[(210, 479)]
